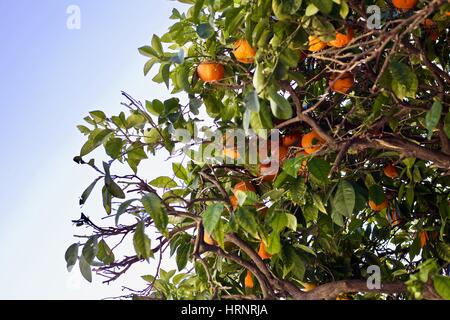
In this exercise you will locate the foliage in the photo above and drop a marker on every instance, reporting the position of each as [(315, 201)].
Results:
[(317, 225)]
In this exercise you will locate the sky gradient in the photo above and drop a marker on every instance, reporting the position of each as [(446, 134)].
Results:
[(50, 78)]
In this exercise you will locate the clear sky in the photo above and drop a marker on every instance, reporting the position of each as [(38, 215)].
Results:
[(50, 78)]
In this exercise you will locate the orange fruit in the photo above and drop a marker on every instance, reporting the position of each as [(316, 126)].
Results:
[(243, 186), (315, 44), (343, 84), (292, 139), (404, 4), (342, 39), (448, 13), (378, 207), (210, 71), (423, 236), (268, 172), (263, 254), (243, 51), (431, 29), (234, 202), (390, 171), (309, 287), (312, 142), (249, 280), (208, 239), (231, 153)]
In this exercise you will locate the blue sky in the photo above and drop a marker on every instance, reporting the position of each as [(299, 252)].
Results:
[(50, 78)]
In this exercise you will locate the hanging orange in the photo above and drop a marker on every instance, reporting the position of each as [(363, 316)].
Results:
[(404, 4), (423, 236), (243, 186), (312, 142), (343, 84), (208, 239), (342, 39), (390, 171), (378, 207), (315, 44), (268, 172), (234, 202), (210, 71), (244, 52), (292, 139), (263, 254), (431, 29), (249, 280)]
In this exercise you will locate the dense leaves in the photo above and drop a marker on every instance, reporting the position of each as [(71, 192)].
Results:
[(342, 159)]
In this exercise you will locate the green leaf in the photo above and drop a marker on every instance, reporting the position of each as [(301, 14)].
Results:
[(433, 117), (85, 269), (163, 183), (153, 206), (90, 249), (87, 192), (251, 101), (281, 108), (156, 45), (205, 31), (443, 250), (319, 203), (442, 286), (320, 169), (98, 116), (148, 51), (344, 199), (291, 221), (306, 249), (447, 125), (180, 172), (182, 256), (155, 107), (141, 242), (401, 79), (104, 253), (71, 256), (311, 10), (283, 9), (122, 209), (325, 6), (113, 147), (246, 220), (211, 217), (279, 222)]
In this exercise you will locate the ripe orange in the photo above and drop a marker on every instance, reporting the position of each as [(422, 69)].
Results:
[(448, 13), (312, 142), (342, 39), (268, 172), (423, 236), (210, 71), (307, 287), (208, 239), (343, 84), (378, 207), (404, 4), (234, 202), (243, 186), (390, 171), (243, 51), (315, 44), (292, 139), (249, 280), (263, 254), (431, 29)]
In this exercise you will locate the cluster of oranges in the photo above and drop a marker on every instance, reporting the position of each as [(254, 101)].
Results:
[(310, 143)]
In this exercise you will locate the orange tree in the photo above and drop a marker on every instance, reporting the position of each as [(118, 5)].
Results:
[(362, 192)]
